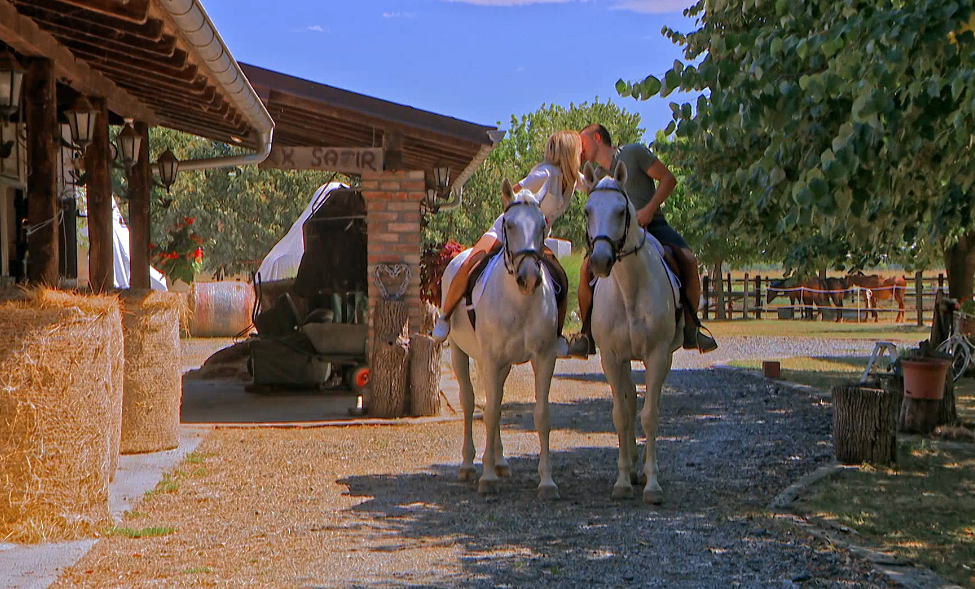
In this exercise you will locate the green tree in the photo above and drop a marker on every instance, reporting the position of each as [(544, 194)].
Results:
[(840, 130), (522, 148), (240, 212)]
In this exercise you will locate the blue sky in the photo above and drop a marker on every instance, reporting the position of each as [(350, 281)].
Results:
[(478, 60)]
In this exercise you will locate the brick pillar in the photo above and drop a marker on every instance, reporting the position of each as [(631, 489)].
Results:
[(393, 219)]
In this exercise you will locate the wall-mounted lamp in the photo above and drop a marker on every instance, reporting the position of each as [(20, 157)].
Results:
[(11, 79), (168, 167), (81, 120), (129, 144)]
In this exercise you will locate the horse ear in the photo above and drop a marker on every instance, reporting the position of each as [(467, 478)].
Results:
[(506, 193), (619, 174), (589, 175)]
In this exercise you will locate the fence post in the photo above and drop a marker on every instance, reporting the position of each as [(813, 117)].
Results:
[(706, 287), (730, 299), (744, 297), (758, 297), (919, 294), (941, 283)]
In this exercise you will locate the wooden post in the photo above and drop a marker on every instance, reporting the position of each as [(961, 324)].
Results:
[(941, 282), (758, 297), (706, 287), (731, 296), (744, 297), (99, 190), (389, 375), (425, 372), (43, 147), (140, 182), (919, 297), (719, 310), (865, 424)]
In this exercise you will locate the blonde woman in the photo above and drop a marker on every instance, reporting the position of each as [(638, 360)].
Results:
[(553, 182)]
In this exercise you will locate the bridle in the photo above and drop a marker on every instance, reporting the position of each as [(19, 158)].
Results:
[(511, 260), (616, 246)]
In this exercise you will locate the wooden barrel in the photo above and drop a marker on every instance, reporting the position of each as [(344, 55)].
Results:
[(220, 309)]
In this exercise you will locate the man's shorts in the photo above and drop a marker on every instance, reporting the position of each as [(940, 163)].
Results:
[(666, 234)]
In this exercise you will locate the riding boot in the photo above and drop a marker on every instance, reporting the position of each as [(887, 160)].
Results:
[(582, 345)]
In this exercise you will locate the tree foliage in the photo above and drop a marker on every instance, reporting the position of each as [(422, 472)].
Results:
[(240, 212), (840, 130), (522, 148)]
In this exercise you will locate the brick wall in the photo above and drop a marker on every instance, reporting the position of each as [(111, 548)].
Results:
[(393, 218)]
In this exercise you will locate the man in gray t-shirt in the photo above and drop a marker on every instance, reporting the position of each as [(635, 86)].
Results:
[(648, 185)]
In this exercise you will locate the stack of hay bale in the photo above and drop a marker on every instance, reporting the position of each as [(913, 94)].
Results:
[(64, 417)]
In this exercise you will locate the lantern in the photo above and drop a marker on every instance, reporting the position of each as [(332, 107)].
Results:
[(81, 120), (168, 167), (129, 143), (442, 175), (11, 78)]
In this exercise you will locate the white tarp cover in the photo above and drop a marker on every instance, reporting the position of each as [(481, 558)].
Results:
[(121, 255), (282, 261)]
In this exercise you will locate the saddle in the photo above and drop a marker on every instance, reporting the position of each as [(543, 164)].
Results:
[(480, 263)]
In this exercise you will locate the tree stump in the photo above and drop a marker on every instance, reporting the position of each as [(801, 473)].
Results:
[(428, 316), (922, 416), (865, 424), (389, 374), (425, 369), (947, 412)]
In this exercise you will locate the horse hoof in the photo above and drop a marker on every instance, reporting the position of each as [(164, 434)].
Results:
[(653, 497), (641, 479), (548, 492), (487, 487), (503, 471), (467, 473), (621, 492)]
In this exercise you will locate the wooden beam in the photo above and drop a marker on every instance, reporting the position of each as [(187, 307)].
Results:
[(61, 13), (27, 38), (122, 52), (136, 11), (393, 146), (55, 24), (43, 148), (101, 265), (140, 182), (185, 73)]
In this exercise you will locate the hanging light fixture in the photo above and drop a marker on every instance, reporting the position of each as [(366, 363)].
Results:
[(442, 175), (11, 79), (81, 120), (129, 144), (168, 167)]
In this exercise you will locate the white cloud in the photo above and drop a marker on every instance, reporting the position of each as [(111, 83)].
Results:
[(520, 68), (316, 29), (652, 6), (398, 15), (509, 2)]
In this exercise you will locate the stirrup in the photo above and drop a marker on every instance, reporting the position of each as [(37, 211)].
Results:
[(705, 341), (441, 329), (561, 347), (581, 346)]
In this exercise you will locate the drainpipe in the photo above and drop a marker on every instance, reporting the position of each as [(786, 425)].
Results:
[(457, 192), (190, 17)]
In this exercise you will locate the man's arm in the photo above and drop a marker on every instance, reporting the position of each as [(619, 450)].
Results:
[(666, 182)]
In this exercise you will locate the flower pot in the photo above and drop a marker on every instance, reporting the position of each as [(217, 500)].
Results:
[(925, 378)]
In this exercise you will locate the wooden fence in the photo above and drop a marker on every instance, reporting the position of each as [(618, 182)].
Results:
[(746, 298)]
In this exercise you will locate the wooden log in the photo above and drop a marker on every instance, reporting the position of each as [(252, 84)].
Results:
[(101, 229), (140, 178), (43, 147), (428, 317), (388, 378), (391, 321), (425, 372), (865, 424), (947, 412)]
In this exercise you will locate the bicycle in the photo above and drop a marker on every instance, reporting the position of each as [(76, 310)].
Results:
[(961, 348)]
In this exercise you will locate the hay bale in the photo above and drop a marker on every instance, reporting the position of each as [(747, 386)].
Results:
[(153, 385), (57, 407)]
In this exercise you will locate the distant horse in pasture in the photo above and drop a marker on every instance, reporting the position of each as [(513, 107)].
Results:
[(879, 289), (807, 291)]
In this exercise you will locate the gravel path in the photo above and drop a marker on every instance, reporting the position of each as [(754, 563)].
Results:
[(381, 507)]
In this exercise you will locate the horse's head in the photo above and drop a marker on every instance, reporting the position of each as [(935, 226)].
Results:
[(610, 219), (774, 289), (523, 237)]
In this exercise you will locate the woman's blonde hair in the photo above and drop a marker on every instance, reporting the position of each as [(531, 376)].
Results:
[(564, 151)]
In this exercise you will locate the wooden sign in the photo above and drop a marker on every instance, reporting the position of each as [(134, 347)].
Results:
[(348, 160)]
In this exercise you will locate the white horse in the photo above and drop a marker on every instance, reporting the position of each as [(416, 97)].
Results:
[(516, 323), (634, 317)]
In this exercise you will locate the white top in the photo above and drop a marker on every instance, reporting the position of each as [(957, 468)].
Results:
[(544, 180)]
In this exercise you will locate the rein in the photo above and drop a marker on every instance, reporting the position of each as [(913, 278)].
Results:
[(511, 259), (617, 246)]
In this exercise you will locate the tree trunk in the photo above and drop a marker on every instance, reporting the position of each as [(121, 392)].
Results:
[(947, 412), (719, 310), (43, 146), (865, 424), (960, 266), (140, 177), (388, 378), (942, 321), (392, 320), (425, 368)]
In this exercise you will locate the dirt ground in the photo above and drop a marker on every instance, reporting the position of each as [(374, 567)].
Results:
[(382, 507)]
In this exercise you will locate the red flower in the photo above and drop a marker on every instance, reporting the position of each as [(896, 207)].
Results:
[(189, 220), (198, 254)]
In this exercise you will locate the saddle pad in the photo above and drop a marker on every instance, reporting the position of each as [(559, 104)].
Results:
[(674, 281), (482, 280)]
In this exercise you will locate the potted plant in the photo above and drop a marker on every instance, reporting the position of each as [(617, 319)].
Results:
[(182, 257), (924, 370)]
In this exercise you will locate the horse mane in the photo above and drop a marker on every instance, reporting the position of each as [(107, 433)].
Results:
[(607, 183)]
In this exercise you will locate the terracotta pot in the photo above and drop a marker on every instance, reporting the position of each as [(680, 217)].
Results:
[(925, 379)]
